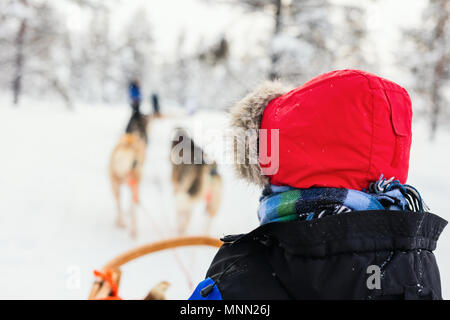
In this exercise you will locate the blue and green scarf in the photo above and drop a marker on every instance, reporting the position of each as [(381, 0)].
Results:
[(282, 203)]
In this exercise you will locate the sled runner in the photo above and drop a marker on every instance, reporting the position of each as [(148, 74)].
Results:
[(106, 286)]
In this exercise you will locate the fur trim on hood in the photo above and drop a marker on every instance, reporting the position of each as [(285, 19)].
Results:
[(246, 118)]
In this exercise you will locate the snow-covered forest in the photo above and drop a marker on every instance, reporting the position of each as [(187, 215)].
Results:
[(65, 66), (87, 50)]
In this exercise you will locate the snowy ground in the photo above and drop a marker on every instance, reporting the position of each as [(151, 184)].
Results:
[(57, 212)]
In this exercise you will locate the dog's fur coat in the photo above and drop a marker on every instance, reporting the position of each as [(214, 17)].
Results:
[(194, 182)]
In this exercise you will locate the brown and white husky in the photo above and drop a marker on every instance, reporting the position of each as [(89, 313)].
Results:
[(125, 167), (193, 182)]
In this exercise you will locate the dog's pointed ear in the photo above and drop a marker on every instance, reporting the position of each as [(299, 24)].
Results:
[(246, 118)]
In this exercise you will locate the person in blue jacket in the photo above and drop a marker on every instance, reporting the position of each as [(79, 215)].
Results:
[(134, 91)]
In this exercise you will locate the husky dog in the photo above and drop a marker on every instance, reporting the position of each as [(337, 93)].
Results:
[(126, 164), (194, 180)]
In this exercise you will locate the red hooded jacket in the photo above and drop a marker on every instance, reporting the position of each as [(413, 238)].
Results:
[(342, 129)]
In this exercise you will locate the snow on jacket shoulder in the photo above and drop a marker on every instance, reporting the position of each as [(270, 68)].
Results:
[(358, 255)]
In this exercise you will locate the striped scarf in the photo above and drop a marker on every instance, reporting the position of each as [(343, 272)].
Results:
[(281, 203)]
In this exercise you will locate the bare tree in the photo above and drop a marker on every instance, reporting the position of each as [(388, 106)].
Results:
[(136, 49), (38, 55), (31, 38), (19, 56), (352, 50), (299, 44), (275, 56), (276, 9)]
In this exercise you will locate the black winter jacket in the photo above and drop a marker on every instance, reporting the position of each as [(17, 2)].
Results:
[(357, 255)]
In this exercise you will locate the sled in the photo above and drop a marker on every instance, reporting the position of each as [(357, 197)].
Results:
[(107, 282)]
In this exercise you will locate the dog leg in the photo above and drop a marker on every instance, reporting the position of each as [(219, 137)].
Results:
[(134, 186), (116, 191)]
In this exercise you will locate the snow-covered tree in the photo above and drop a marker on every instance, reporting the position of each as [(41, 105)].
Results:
[(350, 44), (96, 62), (35, 42), (42, 52), (431, 60), (304, 46), (310, 36), (105, 60), (22, 38), (136, 49)]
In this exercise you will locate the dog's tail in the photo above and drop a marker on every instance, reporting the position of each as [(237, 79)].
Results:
[(215, 193)]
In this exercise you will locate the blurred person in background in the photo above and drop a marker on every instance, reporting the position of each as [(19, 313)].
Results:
[(155, 104), (134, 91)]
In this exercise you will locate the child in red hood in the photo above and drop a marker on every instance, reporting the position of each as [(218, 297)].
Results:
[(331, 226)]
